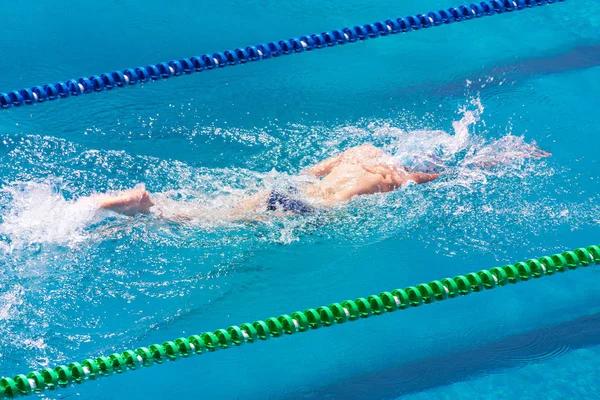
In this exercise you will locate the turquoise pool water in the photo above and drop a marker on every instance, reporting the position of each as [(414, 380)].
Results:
[(76, 283)]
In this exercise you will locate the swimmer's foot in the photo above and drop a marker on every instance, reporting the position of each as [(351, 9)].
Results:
[(130, 202)]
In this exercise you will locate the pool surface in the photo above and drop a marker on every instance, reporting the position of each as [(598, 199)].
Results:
[(77, 283)]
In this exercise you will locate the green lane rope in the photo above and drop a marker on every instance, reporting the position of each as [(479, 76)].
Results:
[(299, 321)]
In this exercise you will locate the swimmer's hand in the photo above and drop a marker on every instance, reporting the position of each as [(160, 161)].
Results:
[(536, 153), (525, 151), (130, 202)]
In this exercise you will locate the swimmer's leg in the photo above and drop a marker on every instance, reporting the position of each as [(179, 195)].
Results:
[(249, 207), (138, 201), (131, 202)]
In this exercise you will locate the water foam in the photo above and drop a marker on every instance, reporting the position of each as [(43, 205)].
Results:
[(133, 261), (38, 212)]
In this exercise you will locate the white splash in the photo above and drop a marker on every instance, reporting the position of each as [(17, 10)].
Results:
[(463, 153), (38, 213), (206, 198)]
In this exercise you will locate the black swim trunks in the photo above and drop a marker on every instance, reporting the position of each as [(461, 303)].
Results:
[(284, 202)]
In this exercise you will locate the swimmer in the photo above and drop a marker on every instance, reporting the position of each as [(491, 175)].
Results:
[(358, 171)]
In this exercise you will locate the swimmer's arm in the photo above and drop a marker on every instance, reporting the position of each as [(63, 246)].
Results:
[(324, 167), (369, 185), (388, 175), (358, 153)]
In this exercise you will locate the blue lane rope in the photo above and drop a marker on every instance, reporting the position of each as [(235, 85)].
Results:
[(185, 66)]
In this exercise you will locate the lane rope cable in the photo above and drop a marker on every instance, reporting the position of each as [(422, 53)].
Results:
[(186, 66), (299, 321)]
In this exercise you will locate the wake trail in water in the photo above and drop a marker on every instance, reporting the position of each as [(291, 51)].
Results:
[(37, 212), (53, 236)]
